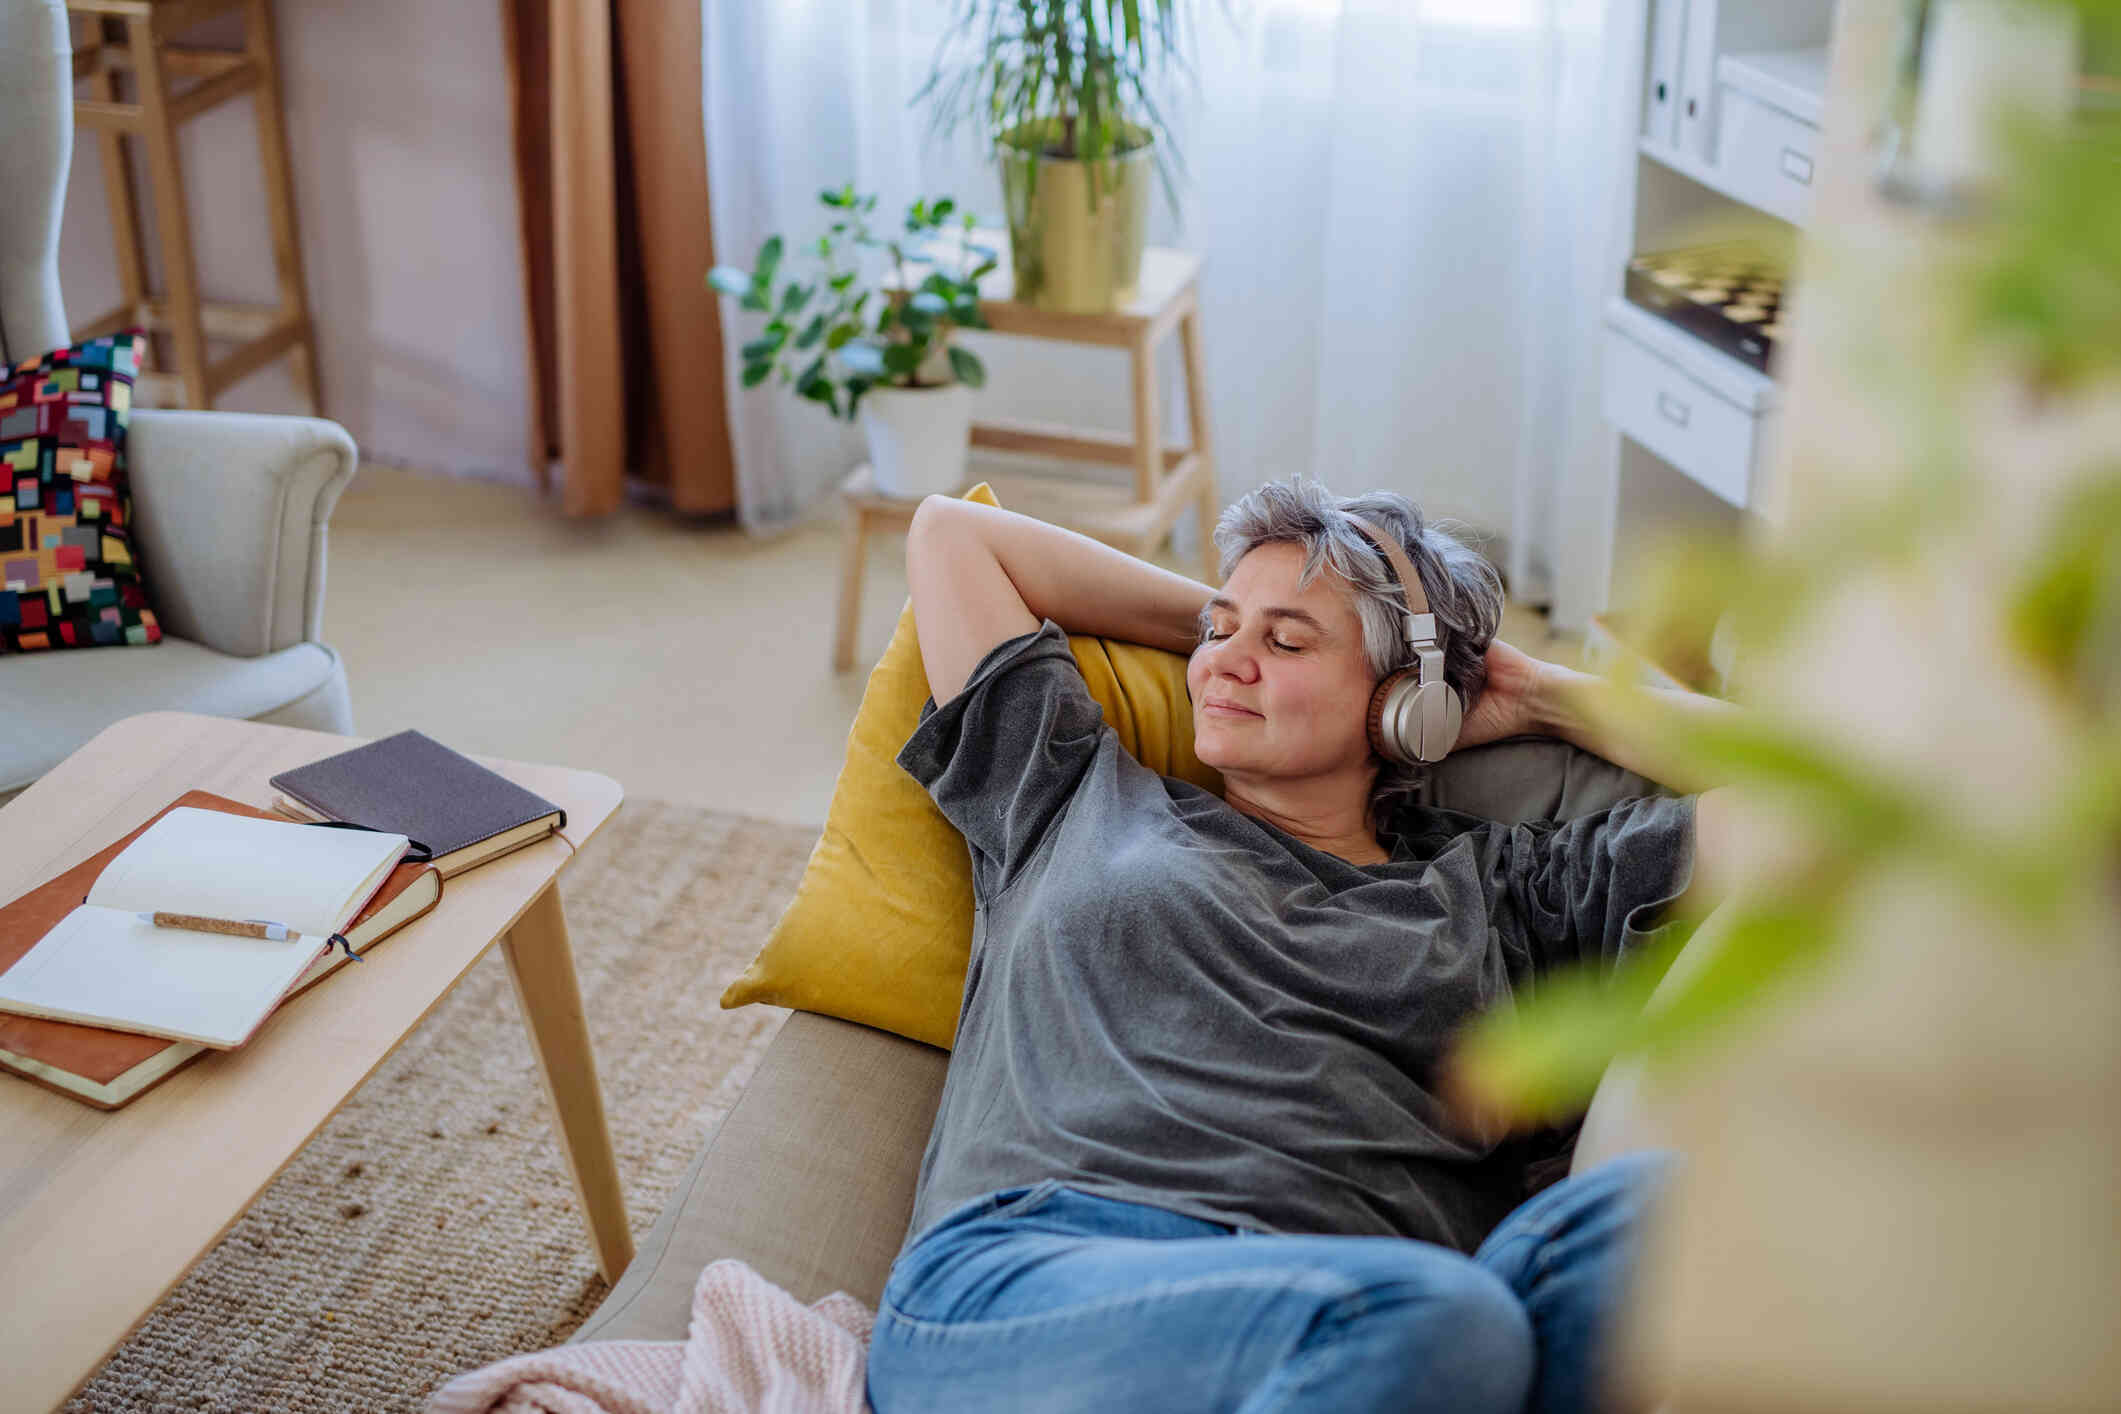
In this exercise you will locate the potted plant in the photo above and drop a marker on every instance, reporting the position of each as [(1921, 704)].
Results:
[(882, 355), (1062, 89)]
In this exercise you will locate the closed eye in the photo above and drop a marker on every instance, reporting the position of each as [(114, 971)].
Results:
[(1209, 635)]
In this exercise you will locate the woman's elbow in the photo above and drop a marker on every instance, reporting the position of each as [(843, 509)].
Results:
[(934, 510), (941, 542)]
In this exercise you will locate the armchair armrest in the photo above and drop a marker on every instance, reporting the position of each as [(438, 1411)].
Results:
[(231, 512)]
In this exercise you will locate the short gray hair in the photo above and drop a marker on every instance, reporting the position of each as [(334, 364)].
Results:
[(1464, 591)]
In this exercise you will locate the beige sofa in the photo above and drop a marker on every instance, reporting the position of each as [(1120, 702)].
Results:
[(809, 1178)]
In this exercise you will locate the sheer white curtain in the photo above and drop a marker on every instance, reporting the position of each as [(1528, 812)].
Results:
[(1393, 199)]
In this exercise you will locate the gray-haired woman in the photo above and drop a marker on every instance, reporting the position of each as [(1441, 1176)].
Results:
[(1189, 1153)]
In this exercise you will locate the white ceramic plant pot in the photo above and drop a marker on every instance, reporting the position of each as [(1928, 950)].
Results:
[(917, 438)]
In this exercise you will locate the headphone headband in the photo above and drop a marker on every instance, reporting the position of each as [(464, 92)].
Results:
[(1410, 590)]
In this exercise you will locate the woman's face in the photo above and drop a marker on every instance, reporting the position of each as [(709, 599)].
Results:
[(1280, 686)]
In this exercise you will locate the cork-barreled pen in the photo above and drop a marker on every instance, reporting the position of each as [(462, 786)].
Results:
[(233, 927)]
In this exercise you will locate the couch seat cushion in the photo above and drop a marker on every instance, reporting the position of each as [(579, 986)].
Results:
[(809, 1179), (53, 702)]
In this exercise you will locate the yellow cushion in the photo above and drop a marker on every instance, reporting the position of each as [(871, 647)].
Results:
[(880, 928)]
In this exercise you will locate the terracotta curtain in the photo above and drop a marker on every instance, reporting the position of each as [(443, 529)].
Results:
[(611, 164)]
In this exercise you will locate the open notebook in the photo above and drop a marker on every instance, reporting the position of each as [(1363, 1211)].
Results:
[(102, 965)]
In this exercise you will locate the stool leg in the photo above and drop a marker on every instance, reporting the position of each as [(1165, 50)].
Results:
[(1203, 439), (118, 182), (264, 49), (172, 217), (851, 563), (1148, 423), (1210, 507)]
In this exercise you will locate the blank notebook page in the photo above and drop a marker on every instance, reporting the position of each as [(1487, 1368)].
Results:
[(231, 866), (103, 966)]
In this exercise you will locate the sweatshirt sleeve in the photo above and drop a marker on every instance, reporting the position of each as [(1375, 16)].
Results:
[(1002, 758), (1592, 889)]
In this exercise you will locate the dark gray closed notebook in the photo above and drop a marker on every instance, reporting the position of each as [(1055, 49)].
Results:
[(413, 785)]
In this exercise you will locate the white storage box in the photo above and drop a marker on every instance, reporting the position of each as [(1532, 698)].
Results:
[(1767, 143), (1698, 408)]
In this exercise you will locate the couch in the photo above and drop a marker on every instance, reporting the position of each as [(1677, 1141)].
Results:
[(810, 1176), (230, 508)]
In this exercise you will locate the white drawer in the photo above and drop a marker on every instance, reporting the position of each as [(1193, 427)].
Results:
[(1767, 137), (1660, 405)]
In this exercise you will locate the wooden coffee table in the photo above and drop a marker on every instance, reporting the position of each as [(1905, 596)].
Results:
[(102, 1212)]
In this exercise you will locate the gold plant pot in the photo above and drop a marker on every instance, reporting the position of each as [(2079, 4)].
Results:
[(1076, 229)]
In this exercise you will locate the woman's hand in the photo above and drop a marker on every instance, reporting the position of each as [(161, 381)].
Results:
[(1505, 705)]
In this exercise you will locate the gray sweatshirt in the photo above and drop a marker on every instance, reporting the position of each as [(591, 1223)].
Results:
[(1171, 1002)]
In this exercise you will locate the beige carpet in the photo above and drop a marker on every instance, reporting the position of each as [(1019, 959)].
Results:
[(431, 1226)]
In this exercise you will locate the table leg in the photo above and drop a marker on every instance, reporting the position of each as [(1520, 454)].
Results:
[(851, 556), (541, 964)]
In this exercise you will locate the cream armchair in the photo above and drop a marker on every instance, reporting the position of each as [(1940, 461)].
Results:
[(231, 508)]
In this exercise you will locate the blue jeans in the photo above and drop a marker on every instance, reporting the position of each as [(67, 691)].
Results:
[(1043, 1298)]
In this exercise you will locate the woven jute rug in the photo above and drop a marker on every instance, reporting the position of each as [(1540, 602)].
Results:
[(431, 1226)]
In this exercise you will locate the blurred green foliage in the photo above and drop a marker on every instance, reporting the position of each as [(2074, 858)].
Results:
[(2038, 295)]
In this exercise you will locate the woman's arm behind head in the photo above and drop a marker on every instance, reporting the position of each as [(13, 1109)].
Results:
[(981, 576), (964, 602)]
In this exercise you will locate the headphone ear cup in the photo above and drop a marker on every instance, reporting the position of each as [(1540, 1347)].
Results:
[(1414, 722), (1385, 717), (1441, 722)]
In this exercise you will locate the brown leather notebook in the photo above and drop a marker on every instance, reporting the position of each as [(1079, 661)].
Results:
[(107, 1068)]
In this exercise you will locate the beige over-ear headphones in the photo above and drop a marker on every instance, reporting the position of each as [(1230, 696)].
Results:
[(1414, 714)]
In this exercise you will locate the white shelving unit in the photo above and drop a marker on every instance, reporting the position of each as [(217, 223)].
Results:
[(1716, 110)]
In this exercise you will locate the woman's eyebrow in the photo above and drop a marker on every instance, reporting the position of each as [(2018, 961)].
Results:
[(1272, 611)]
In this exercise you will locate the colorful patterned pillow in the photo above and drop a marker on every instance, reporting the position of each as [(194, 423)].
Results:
[(68, 575)]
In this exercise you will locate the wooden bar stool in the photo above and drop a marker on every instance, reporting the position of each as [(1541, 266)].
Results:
[(133, 37), (1166, 480)]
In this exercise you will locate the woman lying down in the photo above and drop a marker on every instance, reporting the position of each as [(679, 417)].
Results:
[(1189, 1154)]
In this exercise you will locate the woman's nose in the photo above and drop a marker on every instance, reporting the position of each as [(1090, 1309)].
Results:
[(1231, 657)]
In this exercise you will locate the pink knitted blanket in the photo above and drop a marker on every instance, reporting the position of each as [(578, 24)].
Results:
[(751, 1350)]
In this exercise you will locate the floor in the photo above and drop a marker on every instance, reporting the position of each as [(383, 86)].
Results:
[(690, 662)]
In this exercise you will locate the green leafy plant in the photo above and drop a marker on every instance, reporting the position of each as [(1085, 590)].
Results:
[(2054, 286), (837, 334), (1069, 78)]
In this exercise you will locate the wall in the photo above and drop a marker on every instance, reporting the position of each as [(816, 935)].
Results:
[(404, 174)]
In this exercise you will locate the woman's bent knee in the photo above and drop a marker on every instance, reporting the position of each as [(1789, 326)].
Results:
[(1457, 1342), (1487, 1355)]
